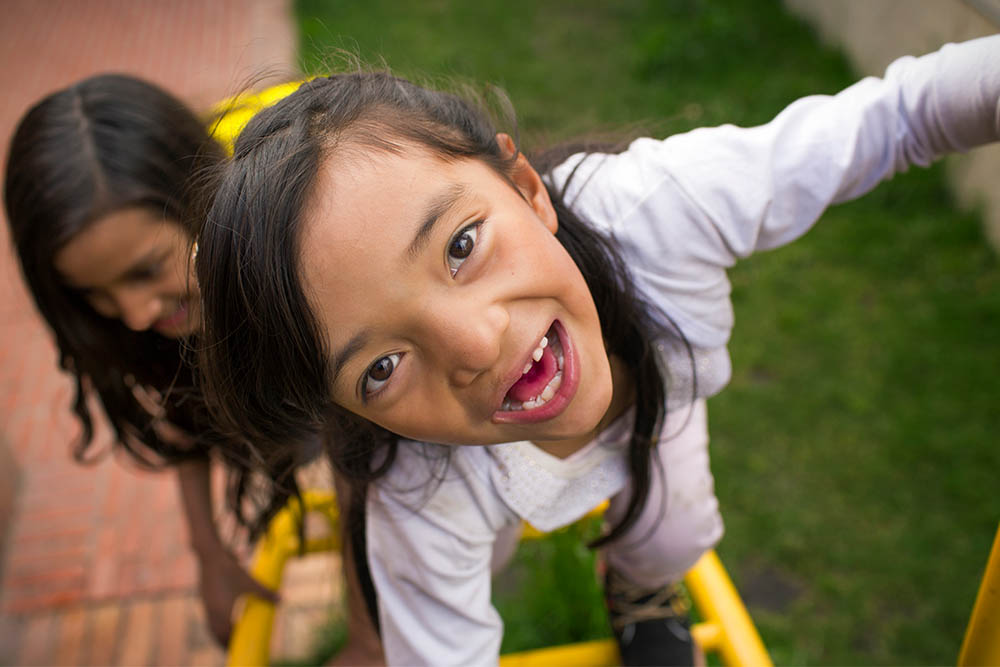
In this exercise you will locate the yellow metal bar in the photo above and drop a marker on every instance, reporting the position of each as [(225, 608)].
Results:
[(529, 532), (230, 116), (250, 643), (600, 653), (982, 637), (708, 636), (720, 605)]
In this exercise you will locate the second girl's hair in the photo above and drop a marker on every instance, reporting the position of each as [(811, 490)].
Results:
[(263, 354), (105, 144)]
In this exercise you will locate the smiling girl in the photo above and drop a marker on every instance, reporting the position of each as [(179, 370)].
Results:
[(496, 339), (98, 180)]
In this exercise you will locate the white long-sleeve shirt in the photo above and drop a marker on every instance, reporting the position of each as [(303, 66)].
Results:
[(683, 210)]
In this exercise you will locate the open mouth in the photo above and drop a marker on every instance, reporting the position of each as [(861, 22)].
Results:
[(547, 384), (173, 320), (541, 377)]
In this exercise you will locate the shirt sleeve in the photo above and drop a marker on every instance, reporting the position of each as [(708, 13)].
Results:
[(430, 562), (686, 208)]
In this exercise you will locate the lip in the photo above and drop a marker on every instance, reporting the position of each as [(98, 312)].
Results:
[(173, 320), (555, 405)]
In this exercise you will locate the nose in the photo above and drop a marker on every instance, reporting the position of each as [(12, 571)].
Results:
[(138, 309), (470, 341)]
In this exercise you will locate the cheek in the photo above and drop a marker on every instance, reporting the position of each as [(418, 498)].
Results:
[(181, 268), (541, 254), (427, 414), (103, 307), (575, 288), (179, 281)]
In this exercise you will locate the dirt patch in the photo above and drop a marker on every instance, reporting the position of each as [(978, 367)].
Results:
[(768, 588)]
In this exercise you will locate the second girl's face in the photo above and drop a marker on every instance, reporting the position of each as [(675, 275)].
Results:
[(134, 266), (451, 312)]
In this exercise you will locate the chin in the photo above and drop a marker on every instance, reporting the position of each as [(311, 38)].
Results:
[(182, 331), (599, 409), (587, 415)]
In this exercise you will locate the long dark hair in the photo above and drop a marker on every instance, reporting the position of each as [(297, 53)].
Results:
[(104, 144), (263, 357)]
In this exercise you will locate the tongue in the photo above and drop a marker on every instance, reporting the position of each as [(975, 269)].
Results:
[(533, 382)]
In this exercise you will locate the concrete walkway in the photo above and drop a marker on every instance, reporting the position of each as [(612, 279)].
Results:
[(95, 567), (918, 26)]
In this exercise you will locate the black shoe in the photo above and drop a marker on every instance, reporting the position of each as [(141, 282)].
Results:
[(652, 627)]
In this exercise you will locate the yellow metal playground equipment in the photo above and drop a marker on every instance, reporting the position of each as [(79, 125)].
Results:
[(228, 118), (726, 630), (982, 638)]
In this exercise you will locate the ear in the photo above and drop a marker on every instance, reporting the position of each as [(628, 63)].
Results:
[(529, 183)]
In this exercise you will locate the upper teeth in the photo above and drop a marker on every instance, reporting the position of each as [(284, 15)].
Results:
[(537, 354)]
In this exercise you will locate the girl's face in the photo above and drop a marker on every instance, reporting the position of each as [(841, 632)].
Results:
[(451, 312), (134, 266)]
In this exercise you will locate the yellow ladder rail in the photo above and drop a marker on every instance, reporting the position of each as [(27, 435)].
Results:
[(727, 628), (982, 637)]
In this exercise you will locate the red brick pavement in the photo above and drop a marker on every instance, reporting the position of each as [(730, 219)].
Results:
[(168, 628), (80, 534), (162, 630)]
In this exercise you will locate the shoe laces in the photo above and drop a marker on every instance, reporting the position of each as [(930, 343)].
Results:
[(628, 603)]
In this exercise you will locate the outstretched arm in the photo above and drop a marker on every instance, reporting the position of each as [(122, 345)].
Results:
[(686, 208), (763, 187)]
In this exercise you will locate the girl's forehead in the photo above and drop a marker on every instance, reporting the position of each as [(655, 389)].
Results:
[(112, 245), (364, 209), (370, 222), (371, 203)]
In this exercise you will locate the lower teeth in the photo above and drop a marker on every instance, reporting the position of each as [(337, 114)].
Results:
[(550, 389)]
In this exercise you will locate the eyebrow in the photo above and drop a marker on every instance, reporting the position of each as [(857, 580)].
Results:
[(135, 268), (435, 211), (344, 354), (145, 262)]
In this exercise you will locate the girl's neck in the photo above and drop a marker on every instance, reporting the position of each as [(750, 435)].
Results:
[(622, 396)]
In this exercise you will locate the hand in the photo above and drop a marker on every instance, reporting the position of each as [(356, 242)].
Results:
[(222, 580)]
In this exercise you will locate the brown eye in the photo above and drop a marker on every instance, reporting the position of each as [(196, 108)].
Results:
[(380, 372), (461, 246), (382, 369)]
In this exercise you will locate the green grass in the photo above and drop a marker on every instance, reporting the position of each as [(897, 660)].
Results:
[(855, 449), (557, 568), (329, 638)]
